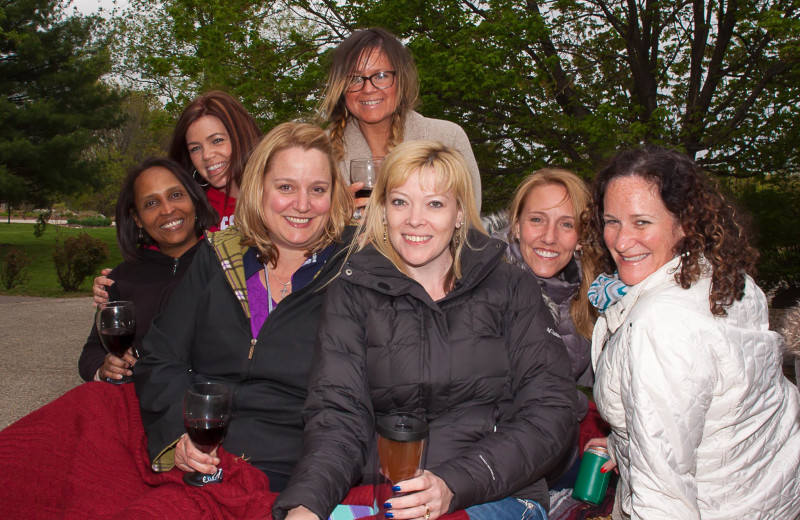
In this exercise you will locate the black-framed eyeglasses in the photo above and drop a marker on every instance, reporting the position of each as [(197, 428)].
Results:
[(380, 80)]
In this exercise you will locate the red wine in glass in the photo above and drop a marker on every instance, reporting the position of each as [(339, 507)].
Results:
[(364, 193), (206, 434), (117, 339), (364, 170), (206, 413), (116, 325)]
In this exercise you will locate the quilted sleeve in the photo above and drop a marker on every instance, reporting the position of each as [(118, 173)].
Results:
[(667, 392)]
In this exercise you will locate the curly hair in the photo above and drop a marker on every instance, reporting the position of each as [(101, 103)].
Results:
[(714, 234), (347, 57)]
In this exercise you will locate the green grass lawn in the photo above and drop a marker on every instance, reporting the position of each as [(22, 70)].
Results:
[(43, 280)]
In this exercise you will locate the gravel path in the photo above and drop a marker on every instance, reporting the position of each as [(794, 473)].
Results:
[(40, 342)]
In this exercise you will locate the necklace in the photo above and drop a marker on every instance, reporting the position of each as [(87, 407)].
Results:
[(285, 289)]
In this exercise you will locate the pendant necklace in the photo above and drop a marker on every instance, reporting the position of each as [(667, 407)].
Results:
[(285, 289)]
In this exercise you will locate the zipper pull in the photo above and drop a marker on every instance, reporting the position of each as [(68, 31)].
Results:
[(174, 266), (252, 348)]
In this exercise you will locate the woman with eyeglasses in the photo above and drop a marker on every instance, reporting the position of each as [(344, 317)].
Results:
[(369, 102)]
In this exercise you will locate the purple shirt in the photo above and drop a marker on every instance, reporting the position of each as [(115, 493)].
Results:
[(259, 303)]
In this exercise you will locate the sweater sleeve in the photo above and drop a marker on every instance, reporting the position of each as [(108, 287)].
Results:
[(460, 142), (94, 353), (164, 371), (533, 435), (338, 411), (669, 389)]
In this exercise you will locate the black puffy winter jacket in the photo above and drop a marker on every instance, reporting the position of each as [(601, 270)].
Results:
[(483, 365)]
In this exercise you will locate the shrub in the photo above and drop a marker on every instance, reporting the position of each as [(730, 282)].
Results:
[(15, 269), (90, 221), (41, 221), (78, 257)]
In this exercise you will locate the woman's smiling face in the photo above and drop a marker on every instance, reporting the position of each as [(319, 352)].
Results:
[(297, 197), (546, 230), (420, 223), (164, 210), (210, 150), (638, 229), (371, 105)]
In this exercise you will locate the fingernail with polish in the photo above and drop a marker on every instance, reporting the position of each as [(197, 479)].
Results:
[(396, 488), (387, 505), (389, 515), (603, 470)]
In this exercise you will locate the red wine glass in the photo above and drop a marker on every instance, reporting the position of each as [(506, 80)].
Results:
[(206, 413), (364, 170), (116, 324)]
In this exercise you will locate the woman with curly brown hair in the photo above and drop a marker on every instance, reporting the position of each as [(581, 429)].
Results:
[(688, 374), (369, 104)]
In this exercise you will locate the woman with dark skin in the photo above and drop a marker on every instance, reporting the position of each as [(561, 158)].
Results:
[(161, 215), (212, 139)]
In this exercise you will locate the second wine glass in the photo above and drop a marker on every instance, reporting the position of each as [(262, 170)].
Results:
[(116, 324), (206, 413)]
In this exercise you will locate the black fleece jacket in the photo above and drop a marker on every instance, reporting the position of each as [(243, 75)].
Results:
[(148, 284)]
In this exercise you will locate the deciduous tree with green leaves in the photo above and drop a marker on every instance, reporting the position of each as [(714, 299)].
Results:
[(571, 81), (51, 98), (260, 52), (533, 82)]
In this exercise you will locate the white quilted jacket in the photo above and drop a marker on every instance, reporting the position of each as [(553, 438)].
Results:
[(705, 425)]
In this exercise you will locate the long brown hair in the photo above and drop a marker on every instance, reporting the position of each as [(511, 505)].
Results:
[(714, 233), (583, 313), (346, 59), (240, 125)]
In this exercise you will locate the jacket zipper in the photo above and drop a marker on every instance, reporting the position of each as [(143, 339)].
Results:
[(252, 348), (175, 266)]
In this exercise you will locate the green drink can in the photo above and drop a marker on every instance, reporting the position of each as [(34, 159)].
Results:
[(591, 485)]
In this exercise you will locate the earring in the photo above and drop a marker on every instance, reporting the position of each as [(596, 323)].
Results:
[(457, 238), (384, 234), (195, 173), (141, 235)]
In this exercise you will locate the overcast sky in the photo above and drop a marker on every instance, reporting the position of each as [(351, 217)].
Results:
[(92, 6)]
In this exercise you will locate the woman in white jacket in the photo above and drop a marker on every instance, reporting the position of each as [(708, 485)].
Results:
[(704, 424)]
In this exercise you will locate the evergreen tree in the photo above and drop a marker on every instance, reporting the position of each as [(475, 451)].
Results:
[(51, 98)]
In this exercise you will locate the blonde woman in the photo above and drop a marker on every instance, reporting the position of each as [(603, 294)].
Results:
[(247, 312), (427, 318)]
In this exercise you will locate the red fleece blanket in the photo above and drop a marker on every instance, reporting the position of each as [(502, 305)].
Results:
[(84, 456)]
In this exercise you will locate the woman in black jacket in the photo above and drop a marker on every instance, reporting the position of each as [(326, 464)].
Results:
[(427, 318), (161, 215), (246, 313)]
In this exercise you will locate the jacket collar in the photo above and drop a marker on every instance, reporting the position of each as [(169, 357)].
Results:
[(617, 313), (370, 268)]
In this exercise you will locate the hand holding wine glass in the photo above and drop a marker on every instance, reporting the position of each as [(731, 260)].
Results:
[(116, 325), (206, 413), (364, 171)]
